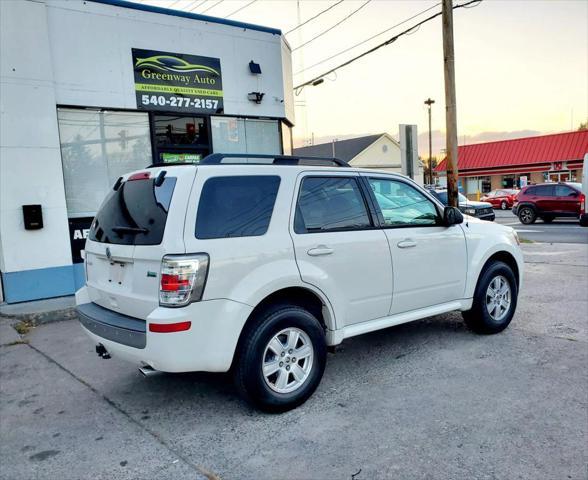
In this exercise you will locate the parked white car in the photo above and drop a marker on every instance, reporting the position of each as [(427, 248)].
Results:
[(258, 268)]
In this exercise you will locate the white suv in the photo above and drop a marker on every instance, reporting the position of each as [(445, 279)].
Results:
[(257, 264)]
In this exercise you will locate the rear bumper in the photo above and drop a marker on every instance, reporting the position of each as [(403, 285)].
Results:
[(209, 345), (113, 326)]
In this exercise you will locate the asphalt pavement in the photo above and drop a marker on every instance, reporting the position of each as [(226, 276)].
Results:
[(559, 231), (425, 400)]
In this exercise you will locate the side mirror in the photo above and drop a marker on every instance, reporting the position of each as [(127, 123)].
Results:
[(452, 216)]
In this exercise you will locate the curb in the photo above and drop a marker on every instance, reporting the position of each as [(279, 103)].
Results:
[(40, 318)]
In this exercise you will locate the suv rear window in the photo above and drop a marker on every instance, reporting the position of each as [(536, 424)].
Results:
[(239, 206), (135, 214)]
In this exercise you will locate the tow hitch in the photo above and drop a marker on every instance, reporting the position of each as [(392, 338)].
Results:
[(102, 352)]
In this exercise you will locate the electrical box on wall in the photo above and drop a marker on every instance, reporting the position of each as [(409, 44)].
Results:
[(33, 217)]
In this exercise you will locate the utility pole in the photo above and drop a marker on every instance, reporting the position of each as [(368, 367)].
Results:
[(429, 101), (450, 102)]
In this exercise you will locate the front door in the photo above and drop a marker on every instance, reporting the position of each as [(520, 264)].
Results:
[(339, 249), (180, 138), (429, 260)]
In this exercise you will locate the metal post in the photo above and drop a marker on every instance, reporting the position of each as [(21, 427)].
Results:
[(429, 101)]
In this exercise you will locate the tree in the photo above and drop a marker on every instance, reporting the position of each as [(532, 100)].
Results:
[(583, 126)]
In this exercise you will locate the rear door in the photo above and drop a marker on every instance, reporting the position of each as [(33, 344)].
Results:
[(568, 200), (338, 247), (137, 224)]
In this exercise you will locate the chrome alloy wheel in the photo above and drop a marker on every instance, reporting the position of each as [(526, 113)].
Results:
[(498, 298), (287, 360)]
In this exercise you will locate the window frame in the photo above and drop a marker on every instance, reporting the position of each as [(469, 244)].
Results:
[(371, 214), (380, 216)]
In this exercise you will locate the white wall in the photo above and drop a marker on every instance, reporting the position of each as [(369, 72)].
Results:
[(78, 52), (91, 49), (30, 157)]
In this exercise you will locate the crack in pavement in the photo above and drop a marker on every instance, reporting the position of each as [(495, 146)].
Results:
[(203, 471)]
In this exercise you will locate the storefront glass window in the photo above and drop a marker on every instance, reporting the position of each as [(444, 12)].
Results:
[(287, 139), (486, 184), (240, 135), (97, 147)]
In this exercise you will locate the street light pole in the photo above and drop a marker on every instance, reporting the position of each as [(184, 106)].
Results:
[(430, 102), (450, 102)]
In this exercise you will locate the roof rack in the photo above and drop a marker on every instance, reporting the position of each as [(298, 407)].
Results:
[(217, 159)]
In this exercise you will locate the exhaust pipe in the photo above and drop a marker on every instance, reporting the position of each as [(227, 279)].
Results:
[(148, 371), (102, 352)]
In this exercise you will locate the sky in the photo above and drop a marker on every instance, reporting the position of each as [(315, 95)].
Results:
[(521, 66)]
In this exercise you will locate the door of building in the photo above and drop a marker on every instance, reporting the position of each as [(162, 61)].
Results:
[(180, 138)]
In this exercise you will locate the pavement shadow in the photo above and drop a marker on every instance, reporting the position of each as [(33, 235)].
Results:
[(193, 395)]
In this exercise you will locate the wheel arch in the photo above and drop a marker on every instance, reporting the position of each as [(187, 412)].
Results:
[(528, 204), (296, 295), (505, 257)]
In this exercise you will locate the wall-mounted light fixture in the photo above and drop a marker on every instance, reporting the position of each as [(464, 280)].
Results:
[(254, 68), (256, 97)]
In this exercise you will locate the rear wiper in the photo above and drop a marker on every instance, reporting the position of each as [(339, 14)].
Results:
[(129, 230)]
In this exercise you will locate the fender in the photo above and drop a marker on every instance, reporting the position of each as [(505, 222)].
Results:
[(480, 249), (262, 282)]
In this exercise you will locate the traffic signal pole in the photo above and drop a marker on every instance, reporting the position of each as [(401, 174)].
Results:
[(450, 102)]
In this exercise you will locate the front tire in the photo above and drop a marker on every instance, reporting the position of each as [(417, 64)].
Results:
[(503, 205), (527, 215), (281, 358), (495, 300)]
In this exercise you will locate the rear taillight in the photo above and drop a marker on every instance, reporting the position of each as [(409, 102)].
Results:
[(182, 279), (582, 203)]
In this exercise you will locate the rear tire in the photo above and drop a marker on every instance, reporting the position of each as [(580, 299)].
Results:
[(527, 215), (289, 342), (495, 300), (503, 205)]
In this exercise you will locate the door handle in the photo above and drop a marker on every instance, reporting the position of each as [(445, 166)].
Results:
[(320, 250), (406, 243)]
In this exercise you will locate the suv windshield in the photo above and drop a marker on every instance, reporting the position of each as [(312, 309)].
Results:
[(135, 214)]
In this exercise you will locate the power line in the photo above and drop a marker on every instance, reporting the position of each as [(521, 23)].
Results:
[(198, 5), (241, 8), (331, 28), (367, 39), (312, 18), (211, 7), (377, 47)]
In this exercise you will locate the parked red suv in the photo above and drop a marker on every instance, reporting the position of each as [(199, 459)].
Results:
[(547, 201), (502, 199)]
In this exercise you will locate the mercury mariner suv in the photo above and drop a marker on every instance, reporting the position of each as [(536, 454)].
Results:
[(258, 264)]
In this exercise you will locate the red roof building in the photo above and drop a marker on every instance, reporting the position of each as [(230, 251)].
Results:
[(493, 165)]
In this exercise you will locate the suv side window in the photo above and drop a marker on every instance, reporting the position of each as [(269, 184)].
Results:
[(330, 204), (564, 191), (543, 191), (237, 206), (401, 204)]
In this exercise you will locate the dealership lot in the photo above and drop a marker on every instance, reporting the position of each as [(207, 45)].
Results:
[(401, 403), (562, 230)]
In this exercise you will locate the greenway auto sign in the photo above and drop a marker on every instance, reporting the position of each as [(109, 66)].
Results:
[(177, 82)]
